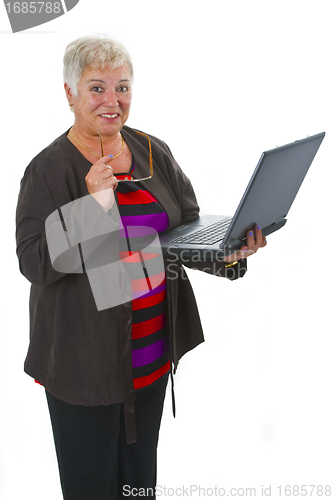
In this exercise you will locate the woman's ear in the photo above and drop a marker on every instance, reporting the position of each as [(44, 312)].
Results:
[(69, 95)]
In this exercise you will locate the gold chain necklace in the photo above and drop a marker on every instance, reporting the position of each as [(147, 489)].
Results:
[(89, 150)]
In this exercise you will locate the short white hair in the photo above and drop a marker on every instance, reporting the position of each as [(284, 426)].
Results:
[(93, 52)]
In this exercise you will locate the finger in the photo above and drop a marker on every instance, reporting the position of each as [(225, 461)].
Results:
[(241, 254), (98, 178), (101, 181), (105, 184), (112, 182), (258, 236), (250, 242), (107, 181), (107, 173), (230, 258), (260, 239), (104, 159), (244, 252), (99, 167)]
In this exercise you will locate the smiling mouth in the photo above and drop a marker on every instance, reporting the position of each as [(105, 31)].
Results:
[(109, 116)]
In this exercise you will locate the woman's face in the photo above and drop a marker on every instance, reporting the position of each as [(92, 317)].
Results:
[(103, 102)]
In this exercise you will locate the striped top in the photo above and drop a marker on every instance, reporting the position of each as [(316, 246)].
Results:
[(142, 217)]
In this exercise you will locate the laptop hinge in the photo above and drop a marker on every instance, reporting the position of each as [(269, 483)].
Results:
[(280, 219)]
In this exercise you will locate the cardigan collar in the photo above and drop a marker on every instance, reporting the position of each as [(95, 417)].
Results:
[(160, 185)]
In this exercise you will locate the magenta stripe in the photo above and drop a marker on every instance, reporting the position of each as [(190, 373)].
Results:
[(159, 222), (137, 232), (149, 354)]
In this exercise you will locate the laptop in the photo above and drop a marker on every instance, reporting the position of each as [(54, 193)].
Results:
[(266, 201)]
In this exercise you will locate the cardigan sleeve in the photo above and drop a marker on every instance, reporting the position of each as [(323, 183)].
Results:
[(34, 205), (53, 242), (189, 212)]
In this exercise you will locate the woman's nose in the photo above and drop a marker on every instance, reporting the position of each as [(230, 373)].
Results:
[(110, 98)]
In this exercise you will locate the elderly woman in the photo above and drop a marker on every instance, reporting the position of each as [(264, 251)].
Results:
[(105, 366)]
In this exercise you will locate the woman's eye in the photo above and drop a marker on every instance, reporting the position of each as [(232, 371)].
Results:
[(123, 88), (97, 89)]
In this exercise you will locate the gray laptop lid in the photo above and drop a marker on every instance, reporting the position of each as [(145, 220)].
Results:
[(273, 187)]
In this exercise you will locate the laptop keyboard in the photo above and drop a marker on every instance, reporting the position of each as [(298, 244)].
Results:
[(208, 235)]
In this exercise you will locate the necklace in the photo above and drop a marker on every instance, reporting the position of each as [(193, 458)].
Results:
[(89, 150)]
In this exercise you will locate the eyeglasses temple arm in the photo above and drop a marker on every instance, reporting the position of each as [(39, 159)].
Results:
[(150, 153), (101, 140)]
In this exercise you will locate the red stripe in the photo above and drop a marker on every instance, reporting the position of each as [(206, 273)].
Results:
[(38, 382), (133, 257), (149, 379), (139, 197), (142, 285), (148, 301), (148, 327)]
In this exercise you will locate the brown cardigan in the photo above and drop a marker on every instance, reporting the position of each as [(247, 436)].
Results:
[(79, 354)]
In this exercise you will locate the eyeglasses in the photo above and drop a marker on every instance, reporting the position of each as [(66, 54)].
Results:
[(131, 179)]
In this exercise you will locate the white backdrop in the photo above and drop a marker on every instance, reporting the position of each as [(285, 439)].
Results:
[(220, 82)]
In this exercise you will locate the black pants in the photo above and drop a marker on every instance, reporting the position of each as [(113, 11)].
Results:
[(95, 463)]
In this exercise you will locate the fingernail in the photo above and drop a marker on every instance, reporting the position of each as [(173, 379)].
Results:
[(258, 227), (111, 156), (250, 233)]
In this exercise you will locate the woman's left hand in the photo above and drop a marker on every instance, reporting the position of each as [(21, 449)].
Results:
[(254, 240)]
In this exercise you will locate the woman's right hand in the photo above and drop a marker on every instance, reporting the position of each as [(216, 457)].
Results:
[(101, 182)]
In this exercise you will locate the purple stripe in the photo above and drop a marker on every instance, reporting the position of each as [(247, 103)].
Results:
[(149, 354), (159, 222), (137, 232), (154, 291)]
